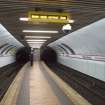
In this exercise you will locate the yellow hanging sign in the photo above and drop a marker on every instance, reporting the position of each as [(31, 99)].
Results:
[(48, 17)]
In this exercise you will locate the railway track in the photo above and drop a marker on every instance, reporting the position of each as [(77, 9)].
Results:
[(87, 86), (7, 74)]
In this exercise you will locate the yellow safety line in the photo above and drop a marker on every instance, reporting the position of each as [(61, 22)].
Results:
[(74, 96), (10, 98)]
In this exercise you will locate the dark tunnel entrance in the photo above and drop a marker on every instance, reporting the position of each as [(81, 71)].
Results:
[(49, 55), (23, 55)]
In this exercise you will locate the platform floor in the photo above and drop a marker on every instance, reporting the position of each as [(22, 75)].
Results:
[(39, 89), (38, 85)]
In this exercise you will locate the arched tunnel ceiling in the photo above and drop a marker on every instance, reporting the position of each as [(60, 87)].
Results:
[(7, 41), (89, 40), (83, 12)]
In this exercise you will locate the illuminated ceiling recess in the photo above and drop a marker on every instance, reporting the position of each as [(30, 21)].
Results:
[(38, 37), (24, 19), (48, 17), (40, 31), (67, 27), (27, 19), (32, 40), (35, 42)]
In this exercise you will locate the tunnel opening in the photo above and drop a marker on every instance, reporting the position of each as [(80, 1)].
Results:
[(23, 55), (49, 56)]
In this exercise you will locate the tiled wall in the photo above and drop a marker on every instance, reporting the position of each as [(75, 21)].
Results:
[(90, 67)]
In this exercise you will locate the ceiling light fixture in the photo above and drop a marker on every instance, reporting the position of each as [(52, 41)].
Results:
[(46, 37), (40, 31), (71, 21), (35, 40), (24, 19), (67, 27)]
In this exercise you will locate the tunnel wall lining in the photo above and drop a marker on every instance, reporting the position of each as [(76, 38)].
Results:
[(92, 68), (7, 43), (5, 60)]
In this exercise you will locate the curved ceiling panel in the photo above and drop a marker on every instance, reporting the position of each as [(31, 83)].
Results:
[(71, 51), (5, 49), (59, 50), (11, 47), (89, 40), (6, 37), (11, 50), (65, 51), (7, 40)]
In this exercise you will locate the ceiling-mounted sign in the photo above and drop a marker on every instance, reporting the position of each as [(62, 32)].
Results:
[(48, 17)]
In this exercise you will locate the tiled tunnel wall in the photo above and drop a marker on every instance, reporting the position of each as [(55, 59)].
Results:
[(8, 47), (92, 68)]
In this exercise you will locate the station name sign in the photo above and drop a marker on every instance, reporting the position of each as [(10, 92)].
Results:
[(48, 17)]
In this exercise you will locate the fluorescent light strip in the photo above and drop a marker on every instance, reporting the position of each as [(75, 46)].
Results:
[(35, 40), (71, 21), (40, 31), (24, 19), (27, 19), (36, 47), (46, 37), (35, 44)]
